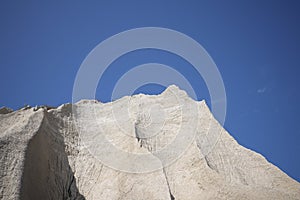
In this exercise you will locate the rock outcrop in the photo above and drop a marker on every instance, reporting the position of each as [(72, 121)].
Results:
[(4, 110), (182, 153)]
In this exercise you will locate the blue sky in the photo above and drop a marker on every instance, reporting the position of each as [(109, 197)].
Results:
[(255, 45)]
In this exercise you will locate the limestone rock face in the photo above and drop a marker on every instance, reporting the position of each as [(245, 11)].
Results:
[(157, 147)]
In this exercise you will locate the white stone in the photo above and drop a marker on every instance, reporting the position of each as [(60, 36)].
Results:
[(51, 154)]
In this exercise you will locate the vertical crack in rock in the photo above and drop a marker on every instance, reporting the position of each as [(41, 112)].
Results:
[(136, 133), (163, 169), (168, 184)]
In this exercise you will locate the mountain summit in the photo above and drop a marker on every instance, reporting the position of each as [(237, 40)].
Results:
[(151, 147)]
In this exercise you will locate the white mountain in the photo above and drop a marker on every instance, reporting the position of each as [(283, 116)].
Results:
[(154, 147)]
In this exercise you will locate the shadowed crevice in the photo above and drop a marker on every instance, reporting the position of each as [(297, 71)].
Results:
[(169, 188), (47, 173)]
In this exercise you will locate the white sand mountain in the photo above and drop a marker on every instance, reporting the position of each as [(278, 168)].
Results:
[(141, 147)]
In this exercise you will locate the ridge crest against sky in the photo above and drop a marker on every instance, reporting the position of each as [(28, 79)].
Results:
[(255, 45)]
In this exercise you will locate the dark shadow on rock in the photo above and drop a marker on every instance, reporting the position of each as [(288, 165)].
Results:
[(47, 173)]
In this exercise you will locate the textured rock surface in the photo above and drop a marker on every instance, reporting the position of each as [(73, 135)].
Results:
[(43, 157), (4, 110)]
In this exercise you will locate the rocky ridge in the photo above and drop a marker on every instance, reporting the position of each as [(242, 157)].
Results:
[(44, 154)]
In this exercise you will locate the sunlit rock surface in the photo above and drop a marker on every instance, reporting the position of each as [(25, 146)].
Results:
[(58, 153)]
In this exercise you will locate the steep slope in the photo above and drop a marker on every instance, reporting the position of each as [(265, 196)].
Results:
[(33, 161), (141, 147)]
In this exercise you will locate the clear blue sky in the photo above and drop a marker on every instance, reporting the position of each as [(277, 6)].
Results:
[(255, 44)]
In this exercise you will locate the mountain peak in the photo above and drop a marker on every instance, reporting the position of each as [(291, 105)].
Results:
[(175, 90), (139, 147)]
